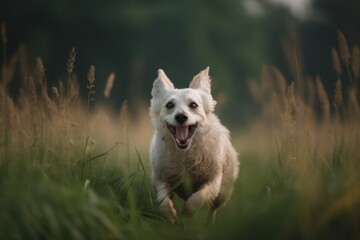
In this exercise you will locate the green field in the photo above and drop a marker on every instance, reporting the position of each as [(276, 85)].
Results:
[(70, 169)]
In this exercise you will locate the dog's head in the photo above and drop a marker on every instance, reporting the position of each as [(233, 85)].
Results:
[(182, 112)]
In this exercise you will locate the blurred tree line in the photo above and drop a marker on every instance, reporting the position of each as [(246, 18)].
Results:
[(135, 38)]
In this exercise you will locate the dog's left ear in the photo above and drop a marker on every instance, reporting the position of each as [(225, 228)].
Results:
[(202, 81)]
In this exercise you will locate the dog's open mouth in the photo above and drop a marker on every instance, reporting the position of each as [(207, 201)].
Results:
[(182, 134)]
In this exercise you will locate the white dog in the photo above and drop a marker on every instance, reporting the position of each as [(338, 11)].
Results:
[(190, 152)]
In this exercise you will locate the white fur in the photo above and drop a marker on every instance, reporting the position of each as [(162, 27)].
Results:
[(209, 164)]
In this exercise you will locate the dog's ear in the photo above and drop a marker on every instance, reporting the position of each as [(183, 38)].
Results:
[(161, 83), (202, 81)]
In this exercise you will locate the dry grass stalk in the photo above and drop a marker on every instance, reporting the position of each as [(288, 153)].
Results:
[(70, 66), (90, 86), (290, 107), (61, 90), (48, 106), (338, 98), (123, 117), (109, 85), (39, 70), (336, 61), (61, 99), (91, 77), (290, 122), (344, 48), (33, 111), (124, 121), (355, 61), (74, 90), (91, 83), (33, 99), (56, 100), (72, 99), (39, 76), (324, 99), (292, 51), (280, 80), (23, 101), (32, 91)]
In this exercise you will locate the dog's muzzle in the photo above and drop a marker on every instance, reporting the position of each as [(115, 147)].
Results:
[(182, 134)]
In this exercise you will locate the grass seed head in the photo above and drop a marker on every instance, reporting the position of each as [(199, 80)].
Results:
[(324, 99), (337, 95), (39, 74), (109, 85), (91, 77), (91, 84), (55, 92), (70, 65), (344, 48)]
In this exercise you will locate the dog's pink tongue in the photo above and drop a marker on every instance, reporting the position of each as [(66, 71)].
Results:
[(182, 132)]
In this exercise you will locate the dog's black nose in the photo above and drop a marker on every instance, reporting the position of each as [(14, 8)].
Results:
[(181, 118)]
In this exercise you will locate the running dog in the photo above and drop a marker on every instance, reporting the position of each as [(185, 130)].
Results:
[(190, 153)]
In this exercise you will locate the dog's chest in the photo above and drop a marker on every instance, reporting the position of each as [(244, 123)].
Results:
[(197, 168)]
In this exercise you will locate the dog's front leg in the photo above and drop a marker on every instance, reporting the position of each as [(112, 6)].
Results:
[(207, 193), (166, 205)]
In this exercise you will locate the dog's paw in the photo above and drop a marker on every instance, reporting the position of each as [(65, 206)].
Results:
[(168, 211), (191, 205)]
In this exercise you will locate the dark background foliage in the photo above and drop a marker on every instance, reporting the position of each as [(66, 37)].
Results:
[(135, 38)]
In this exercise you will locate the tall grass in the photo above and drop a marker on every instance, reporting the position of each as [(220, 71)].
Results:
[(315, 151), (71, 169)]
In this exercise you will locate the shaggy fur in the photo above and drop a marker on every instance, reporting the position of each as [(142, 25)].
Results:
[(190, 152)]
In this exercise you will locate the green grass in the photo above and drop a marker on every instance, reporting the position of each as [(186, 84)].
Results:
[(118, 203)]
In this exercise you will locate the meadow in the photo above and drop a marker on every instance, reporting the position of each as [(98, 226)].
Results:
[(73, 169)]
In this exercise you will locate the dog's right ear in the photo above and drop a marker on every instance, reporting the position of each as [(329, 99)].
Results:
[(161, 84)]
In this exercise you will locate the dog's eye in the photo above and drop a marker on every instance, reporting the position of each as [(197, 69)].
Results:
[(169, 105), (193, 105)]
